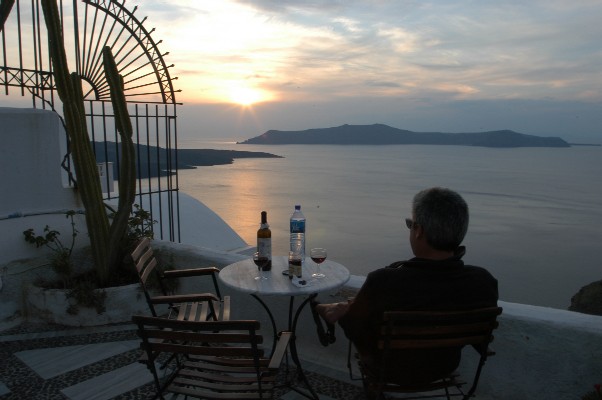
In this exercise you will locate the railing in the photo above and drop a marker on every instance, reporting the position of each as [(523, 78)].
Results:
[(26, 66)]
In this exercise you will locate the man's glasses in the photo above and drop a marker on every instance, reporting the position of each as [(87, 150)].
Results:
[(409, 223)]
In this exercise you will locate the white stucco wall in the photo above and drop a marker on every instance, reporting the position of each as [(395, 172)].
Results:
[(33, 149), (33, 192)]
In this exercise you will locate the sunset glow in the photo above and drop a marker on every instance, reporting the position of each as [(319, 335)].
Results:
[(246, 96)]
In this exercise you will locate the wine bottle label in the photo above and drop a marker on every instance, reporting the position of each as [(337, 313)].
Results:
[(297, 226), (264, 247)]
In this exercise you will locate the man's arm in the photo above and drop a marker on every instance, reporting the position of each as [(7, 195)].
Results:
[(363, 313)]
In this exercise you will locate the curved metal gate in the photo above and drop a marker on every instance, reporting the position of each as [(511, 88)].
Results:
[(88, 26)]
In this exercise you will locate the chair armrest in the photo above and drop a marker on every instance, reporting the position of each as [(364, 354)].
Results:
[(184, 298), (183, 273), (280, 350), (489, 350), (144, 358)]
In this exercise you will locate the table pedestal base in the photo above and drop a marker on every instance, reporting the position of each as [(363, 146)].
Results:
[(293, 316)]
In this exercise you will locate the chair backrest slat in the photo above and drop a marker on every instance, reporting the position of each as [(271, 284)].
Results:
[(422, 331), (140, 248), (206, 394), (194, 326), (144, 259), (406, 344), (226, 337), (443, 316), (204, 349), (147, 271)]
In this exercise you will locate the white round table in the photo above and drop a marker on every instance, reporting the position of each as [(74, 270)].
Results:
[(241, 276)]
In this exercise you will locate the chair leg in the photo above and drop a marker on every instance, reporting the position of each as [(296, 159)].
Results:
[(447, 393), (373, 394)]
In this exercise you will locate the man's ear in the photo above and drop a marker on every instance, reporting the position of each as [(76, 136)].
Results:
[(418, 231)]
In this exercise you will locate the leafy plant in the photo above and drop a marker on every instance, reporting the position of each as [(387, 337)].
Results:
[(61, 260), (139, 225)]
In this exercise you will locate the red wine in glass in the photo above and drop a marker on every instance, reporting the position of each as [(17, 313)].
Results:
[(261, 261), (318, 255), (318, 260)]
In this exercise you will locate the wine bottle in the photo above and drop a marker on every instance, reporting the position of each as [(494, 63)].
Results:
[(264, 241)]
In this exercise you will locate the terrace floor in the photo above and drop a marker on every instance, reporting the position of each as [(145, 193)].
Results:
[(56, 362)]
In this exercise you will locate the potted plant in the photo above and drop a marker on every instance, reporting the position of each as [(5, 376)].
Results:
[(76, 298)]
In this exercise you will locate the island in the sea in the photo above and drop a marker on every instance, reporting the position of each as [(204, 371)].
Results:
[(379, 134), (152, 161)]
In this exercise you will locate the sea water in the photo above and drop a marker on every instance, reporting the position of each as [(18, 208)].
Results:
[(535, 213)]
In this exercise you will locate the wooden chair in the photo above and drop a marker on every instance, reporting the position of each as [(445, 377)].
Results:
[(214, 359), (189, 307), (420, 330)]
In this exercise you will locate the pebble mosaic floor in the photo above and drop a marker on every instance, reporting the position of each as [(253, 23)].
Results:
[(55, 362)]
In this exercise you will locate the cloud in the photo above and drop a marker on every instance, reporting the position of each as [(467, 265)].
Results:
[(332, 49), (388, 52)]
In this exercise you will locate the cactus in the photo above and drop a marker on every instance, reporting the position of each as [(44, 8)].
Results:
[(127, 172), (105, 238)]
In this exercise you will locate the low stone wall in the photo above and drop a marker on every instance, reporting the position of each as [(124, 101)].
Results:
[(543, 353)]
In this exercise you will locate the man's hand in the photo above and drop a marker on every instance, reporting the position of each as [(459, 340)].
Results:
[(331, 313)]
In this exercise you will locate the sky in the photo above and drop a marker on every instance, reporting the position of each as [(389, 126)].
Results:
[(248, 66)]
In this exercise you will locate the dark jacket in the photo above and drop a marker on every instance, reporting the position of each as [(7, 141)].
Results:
[(414, 285)]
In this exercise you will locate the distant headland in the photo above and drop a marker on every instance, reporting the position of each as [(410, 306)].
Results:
[(379, 134), (187, 158)]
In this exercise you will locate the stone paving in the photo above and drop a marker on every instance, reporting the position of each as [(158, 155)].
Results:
[(40, 361)]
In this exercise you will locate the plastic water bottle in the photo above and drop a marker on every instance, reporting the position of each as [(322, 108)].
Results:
[(298, 232)]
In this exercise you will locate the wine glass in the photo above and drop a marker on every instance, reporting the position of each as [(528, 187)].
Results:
[(261, 261), (318, 255)]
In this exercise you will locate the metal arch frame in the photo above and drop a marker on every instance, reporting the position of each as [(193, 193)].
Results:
[(35, 78), (40, 79), (137, 31)]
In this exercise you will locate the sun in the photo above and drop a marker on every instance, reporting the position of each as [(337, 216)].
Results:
[(245, 96)]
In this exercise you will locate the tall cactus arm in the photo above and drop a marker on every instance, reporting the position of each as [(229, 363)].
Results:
[(127, 172)]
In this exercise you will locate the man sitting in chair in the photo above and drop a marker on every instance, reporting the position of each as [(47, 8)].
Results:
[(435, 279)]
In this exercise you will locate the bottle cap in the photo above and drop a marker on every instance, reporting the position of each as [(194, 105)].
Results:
[(297, 207)]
